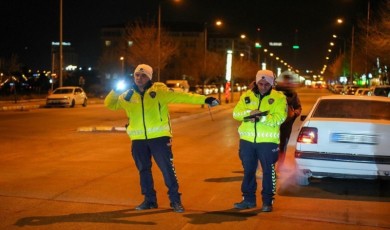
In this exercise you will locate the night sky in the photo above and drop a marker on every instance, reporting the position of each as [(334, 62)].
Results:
[(29, 26)]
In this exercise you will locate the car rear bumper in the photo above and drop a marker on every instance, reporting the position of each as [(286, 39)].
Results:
[(342, 165)]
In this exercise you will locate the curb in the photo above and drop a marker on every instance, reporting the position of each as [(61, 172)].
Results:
[(19, 107)]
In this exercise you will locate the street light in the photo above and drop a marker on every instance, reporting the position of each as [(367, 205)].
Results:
[(218, 23), (340, 21), (344, 45), (61, 52), (159, 39), (123, 65), (229, 73)]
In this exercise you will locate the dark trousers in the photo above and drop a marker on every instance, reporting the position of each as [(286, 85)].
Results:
[(250, 154), (285, 133), (160, 149)]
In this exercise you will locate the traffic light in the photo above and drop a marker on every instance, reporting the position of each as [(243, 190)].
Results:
[(295, 47), (257, 45)]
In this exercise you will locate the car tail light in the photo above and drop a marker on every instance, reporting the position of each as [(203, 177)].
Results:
[(308, 135)]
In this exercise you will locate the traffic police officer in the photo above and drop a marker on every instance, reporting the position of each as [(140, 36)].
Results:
[(259, 138), (146, 106)]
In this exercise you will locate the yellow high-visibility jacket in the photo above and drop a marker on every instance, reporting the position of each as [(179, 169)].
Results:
[(267, 128), (148, 114)]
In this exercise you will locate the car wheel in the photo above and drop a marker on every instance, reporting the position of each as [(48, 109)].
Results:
[(85, 103), (73, 103)]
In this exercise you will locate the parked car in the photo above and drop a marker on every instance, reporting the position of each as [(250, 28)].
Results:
[(178, 85), (337, 89), (362, 92), (67, 96), (380, 90), (344, 136), (203, 89), (350, 89)]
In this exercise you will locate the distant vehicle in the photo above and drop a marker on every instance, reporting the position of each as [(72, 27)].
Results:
[(350, 89), (239, 87), (337, 89), (178, 85), (344, 136), (380, 90), (203, 89), (67, 96), (362, 92), (213, 88)]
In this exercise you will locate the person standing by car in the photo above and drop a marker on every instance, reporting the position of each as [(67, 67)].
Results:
[(294, 110), (146, 105), (259, 138)]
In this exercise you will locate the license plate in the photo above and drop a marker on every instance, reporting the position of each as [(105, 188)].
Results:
[(354, 138)]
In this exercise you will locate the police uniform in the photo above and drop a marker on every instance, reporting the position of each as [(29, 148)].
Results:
[(259, 141), (150, 131)]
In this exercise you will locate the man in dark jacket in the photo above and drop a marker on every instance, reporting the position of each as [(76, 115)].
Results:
[(294, 110)]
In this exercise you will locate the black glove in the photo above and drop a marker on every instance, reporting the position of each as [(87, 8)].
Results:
[(211, 101)]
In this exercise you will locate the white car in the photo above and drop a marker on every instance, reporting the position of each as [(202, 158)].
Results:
[(344, 136), (362, 92), (68, 96)]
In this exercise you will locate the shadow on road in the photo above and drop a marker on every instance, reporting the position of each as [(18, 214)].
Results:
[(217, 217), (115, 217), (339, 189)]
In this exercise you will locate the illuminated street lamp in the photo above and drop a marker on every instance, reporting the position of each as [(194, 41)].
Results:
[(61, 52), (340, 21), (229, 65), (344, 45), (218, 23), (159, 39), (122, 59)]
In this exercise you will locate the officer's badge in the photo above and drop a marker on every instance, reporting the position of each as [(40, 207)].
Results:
[(271, 101), (153, 94)]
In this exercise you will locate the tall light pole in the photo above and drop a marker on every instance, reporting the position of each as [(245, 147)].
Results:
[(61, 54), (344, 47), (122, 59), (231, 79), (218, 23), (159, 41), (352, 50)]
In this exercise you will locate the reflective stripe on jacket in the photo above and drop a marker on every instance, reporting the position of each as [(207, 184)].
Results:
[(267, 129), (148, 114)]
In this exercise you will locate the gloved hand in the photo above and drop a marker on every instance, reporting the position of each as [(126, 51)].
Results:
[(212, 101)]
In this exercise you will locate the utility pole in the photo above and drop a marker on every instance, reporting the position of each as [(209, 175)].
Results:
[(352, 50), (61, 57)]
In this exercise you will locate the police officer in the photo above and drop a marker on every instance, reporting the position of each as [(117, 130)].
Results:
[(146, 105), (259, 138)]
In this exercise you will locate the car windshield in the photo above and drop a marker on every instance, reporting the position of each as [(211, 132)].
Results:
[(355, 109), (63, 91)]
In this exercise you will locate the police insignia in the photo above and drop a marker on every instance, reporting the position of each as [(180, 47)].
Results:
[(271, 101), (152, 94)]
